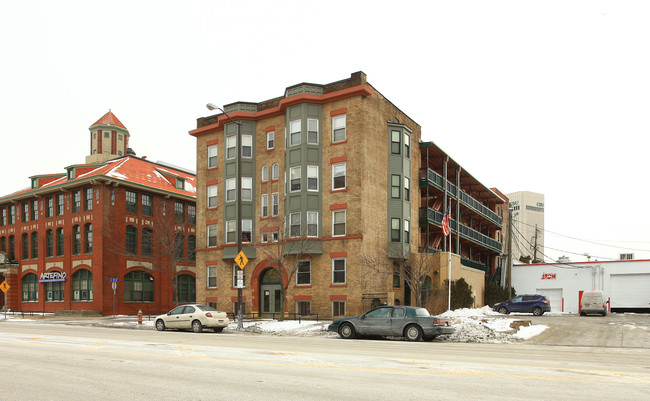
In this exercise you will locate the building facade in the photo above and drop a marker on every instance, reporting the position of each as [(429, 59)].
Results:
[(116, 220), (527, 226), (624, 283), (337, 177)]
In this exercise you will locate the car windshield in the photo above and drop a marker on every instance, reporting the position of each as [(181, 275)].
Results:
[(206, 308), (421, 312)]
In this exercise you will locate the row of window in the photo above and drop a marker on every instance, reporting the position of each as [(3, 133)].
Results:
[(294, 138), (176, 246), (54, 206), (146, 205), (295, 228), (295, 185), (303, 273), (54, 243), (138, 287), (82, 288), (303, 308)]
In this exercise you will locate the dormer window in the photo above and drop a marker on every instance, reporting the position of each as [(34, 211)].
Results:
[(180, 183), (34, 183), (71, 174)]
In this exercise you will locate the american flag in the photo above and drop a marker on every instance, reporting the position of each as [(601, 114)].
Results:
[(446, 230)]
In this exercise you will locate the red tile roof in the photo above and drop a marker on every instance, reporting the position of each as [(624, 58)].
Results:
[(128, 170), (109, 119)]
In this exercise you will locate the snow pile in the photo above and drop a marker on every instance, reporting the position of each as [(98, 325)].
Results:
[(287, 327), (483, 325), (480, 325)]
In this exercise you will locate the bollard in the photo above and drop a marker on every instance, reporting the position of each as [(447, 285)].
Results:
[(140, 316)]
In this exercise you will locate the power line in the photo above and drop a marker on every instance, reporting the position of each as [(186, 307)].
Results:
[(588, 241), (560, 250)]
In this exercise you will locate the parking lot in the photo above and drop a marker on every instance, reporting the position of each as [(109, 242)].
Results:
[(625, 330)]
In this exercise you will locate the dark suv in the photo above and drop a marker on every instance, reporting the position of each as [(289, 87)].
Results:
[(535, 304)]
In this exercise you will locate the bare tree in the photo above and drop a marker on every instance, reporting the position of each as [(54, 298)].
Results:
[(160, 249), (415, 270), (285, 255)]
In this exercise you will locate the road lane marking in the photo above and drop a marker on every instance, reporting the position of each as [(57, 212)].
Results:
[(453, 369)]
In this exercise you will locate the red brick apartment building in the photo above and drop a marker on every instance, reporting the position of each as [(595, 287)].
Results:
[(341, 167), (69, 236)]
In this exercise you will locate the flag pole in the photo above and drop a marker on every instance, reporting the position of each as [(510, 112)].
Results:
[(449, 262)]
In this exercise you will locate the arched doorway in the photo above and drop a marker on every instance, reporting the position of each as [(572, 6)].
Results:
[(270, 292)]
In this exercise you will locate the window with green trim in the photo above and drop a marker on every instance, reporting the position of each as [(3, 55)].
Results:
[(54, 291), (82, 285), (30, 287), (186, 288), (138, 287)]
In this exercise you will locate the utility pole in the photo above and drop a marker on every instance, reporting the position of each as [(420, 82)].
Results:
[(509, 253), (535, 246)]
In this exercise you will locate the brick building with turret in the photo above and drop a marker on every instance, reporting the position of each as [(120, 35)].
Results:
[(114, 220)]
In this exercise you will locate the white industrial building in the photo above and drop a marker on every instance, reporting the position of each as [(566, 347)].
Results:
[(625, 283)]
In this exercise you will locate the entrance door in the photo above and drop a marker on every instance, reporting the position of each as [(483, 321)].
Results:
[(270, 292)]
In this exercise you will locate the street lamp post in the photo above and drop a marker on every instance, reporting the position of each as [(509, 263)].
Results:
[(240, 307)]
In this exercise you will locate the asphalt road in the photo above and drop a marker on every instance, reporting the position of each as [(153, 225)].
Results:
[(42, 361), (614, 330)]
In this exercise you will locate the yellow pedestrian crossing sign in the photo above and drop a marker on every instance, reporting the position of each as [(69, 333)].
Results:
[(4, 286), (241, 259)]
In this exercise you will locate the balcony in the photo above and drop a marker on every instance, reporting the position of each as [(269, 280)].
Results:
[(428, 215), (436, 180), (473, 264)]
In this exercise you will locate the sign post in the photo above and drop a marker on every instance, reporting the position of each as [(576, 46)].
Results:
[(114, 286), (241, 260), (5, 287)]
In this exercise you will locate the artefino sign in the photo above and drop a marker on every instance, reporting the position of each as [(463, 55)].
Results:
[(52, 276)]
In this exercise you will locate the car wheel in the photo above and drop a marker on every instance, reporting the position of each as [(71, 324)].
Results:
[(160, 325), (197, 327), (537, 311), (218, 329), (583, 314), (346, 331), (413, 332), (503, 310)]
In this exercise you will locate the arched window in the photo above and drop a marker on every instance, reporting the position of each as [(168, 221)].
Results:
[(138, 287), (82, 285), (131, 240), (186, 288), (275, 174), (265, 173), (179, 246), (88, 229), (30, 288), (34, 245), (76, 240), (54, 291), (12, 248), (59, 241), (191, 248), (25, 245), (49, 243), (147, 242)]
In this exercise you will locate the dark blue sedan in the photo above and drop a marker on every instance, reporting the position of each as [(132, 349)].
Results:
[(412, 322)]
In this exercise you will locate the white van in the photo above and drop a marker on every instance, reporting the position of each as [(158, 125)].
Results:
[(593, 302)]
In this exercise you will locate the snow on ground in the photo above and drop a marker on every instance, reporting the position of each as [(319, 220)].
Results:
[(480, 325)]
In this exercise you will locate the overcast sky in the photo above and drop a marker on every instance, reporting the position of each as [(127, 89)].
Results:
[(547, 96)]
